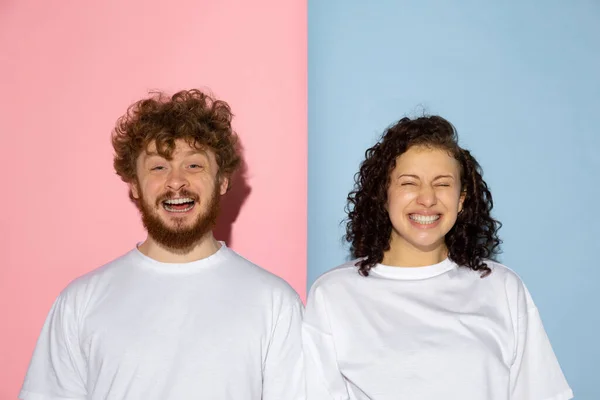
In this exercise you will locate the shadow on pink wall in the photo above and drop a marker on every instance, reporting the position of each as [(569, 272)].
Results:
[(231, 204)]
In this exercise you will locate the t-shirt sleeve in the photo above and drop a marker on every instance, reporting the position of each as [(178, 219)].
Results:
[(283, 374), (535, 373), (324, 381), (57, 368)]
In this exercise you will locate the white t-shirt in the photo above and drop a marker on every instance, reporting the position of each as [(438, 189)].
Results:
[(217, 328), (427, 333)]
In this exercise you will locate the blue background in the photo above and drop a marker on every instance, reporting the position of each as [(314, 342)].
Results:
[(520, 81)]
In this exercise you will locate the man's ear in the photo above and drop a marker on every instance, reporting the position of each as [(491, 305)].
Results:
[(223, 184), (134, 190)]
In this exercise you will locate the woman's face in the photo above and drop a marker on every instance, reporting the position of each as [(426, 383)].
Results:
[(423, 199)]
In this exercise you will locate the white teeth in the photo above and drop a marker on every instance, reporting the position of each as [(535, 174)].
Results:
[(167, 204), (424, 219), (179, 201)]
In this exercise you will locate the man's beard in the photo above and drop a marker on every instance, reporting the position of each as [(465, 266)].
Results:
[(180, 238)]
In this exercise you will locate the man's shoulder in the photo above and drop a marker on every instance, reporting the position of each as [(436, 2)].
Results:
[(252, 274), (80, 292), (101, 275)]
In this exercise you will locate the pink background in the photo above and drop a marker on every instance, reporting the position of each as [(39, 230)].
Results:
[(68, 70)]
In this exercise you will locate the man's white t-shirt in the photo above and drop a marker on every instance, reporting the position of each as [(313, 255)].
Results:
[(427, 333), (138, 329)]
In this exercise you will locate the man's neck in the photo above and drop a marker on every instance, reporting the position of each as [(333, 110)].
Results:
[(203, 249)]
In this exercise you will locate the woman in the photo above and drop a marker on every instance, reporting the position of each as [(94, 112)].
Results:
[(423, 313)]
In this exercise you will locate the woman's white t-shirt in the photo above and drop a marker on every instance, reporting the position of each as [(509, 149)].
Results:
[(427, 333)]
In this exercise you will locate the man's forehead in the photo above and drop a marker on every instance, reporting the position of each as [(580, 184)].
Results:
[(181, 146)]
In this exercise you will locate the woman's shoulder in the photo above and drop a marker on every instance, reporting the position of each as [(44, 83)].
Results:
[(503, 273), (345, 272), (511, 284)]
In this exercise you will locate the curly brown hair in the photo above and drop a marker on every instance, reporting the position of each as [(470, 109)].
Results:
[(472, 239), (192, 115)]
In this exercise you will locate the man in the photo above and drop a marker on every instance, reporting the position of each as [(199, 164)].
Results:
[(181, 316)]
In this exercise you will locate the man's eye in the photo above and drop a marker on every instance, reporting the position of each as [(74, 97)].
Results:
[(407, 184), (443, 184), (157, 168), (195, 166)]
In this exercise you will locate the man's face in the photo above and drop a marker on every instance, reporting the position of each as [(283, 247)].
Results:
[(178, 198)]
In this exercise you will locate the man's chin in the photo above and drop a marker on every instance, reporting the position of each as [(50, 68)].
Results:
[(177, 247), (177, 227), (177, 235), (167, 217), (179, 239)]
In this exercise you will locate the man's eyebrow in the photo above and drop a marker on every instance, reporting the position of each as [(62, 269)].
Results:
[(194, 152)]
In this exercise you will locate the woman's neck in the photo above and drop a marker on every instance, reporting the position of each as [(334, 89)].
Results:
[(404, 254)]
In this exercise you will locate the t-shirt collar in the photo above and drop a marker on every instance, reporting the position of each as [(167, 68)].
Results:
[(414, 273)]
